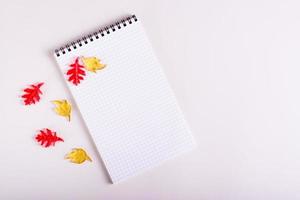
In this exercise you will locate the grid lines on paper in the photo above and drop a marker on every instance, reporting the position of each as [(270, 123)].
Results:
[(129, 107)]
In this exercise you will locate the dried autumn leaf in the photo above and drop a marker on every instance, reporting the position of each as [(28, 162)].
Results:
[(76, 73), (63, 108), (32, 94), (92, 64), (78, 156), (47, 137)]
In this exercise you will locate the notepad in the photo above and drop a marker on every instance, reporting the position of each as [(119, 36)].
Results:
[(128, 106)]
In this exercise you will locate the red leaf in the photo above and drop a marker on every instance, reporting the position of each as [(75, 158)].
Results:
[(76, 73), (47, 138), (32, 94)]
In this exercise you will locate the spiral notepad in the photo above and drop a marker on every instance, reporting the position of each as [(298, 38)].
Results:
[(128, 106)]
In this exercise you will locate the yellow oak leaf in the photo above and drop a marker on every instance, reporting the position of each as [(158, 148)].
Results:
[(63, 108), (92, 64), (78, 156)]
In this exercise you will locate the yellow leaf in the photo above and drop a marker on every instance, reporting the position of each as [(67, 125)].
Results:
[(92, 64), (63, 108), (78, 156)]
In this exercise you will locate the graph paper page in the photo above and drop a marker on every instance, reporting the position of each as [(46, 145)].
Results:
[(128, 107)]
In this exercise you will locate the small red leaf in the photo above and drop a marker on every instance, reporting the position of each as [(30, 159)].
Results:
[(32, 94), (47, 137), (76, 72)]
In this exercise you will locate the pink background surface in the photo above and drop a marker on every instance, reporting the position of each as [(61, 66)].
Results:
[(234, 67)]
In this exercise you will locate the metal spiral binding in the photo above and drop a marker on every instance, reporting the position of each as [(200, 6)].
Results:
[(96, 35)]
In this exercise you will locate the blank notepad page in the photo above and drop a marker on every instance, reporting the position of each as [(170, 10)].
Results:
[(128, 106)]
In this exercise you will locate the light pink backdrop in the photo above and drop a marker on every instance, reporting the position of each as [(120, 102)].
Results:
[(234, 66)]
